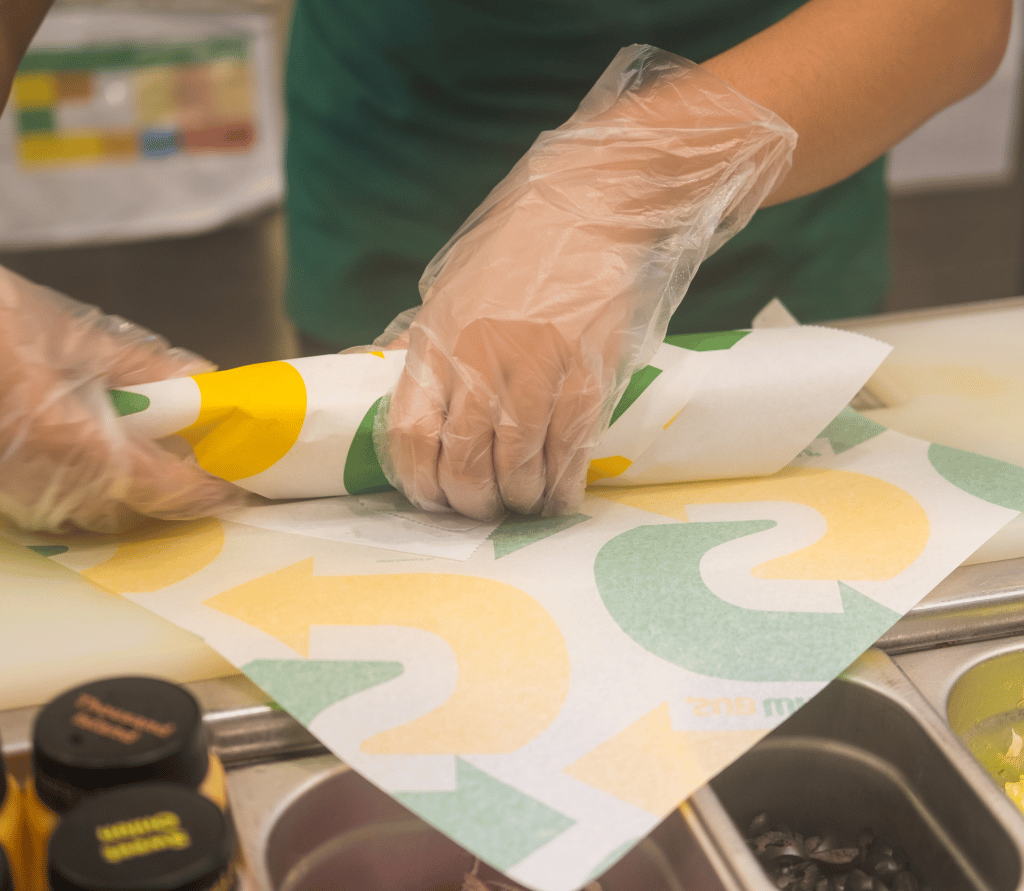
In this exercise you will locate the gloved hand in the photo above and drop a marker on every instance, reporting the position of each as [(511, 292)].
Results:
[(64, 458), (562, 283)]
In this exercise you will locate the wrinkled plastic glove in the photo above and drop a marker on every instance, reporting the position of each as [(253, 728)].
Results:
[(562, 283), (65, 460)]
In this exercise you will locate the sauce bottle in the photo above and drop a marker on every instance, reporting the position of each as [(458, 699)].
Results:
[(11, 829), (6, 879), (147, 837), (108, 733)]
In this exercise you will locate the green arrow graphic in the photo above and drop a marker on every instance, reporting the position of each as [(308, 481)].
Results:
[(650, 581)]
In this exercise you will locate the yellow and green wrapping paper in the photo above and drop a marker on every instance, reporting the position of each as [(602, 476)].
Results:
[(303, 428), (551, 691)]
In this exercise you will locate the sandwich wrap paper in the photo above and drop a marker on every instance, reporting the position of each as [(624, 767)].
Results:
[(546, 690), (303, 429)]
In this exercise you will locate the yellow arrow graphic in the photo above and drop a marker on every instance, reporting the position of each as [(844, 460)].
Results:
[(654, 767), (875, 529), (159, 555), (513, 665)]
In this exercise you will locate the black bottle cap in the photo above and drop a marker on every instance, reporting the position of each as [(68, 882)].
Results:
[(6, 880), (149, 837), (117, 731)]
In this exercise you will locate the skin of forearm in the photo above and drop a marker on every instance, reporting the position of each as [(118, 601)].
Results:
[(854, 78), (19, 21)]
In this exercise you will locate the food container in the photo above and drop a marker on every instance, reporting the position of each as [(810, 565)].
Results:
[(312, 824), (870, 752), (979, 687)]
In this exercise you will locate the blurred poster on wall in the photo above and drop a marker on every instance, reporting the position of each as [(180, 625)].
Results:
[(132, 125)]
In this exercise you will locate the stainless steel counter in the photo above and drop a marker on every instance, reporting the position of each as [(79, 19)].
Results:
[(978, 602)]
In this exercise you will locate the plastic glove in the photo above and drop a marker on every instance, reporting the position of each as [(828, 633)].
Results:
[(64, 458), (562, 283)]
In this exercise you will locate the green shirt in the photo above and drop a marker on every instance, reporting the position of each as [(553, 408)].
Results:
[(403, 114)]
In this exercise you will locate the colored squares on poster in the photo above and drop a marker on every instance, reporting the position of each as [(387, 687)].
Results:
[(159, 143), (194, 84), (223, 137), (193, 89), (73, 86), (231, 90), (135, 54), (156, 98), (120, 145), (35, 120), (50, 148), (35, 90), (119, 102), (109, 105)]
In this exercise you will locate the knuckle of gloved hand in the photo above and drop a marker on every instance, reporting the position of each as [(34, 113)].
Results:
[(412, 445), (466, 460)]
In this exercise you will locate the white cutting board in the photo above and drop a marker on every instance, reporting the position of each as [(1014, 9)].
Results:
[(956, 377), (58, 630)]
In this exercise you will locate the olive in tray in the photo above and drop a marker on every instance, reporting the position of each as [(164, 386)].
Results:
[(824, 863)]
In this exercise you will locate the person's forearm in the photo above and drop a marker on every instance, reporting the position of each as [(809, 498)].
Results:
[(19, 21), (854, 78)]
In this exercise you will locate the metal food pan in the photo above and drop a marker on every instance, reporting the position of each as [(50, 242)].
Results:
[(870, 751), (970, 682), (312, 824), (873, 749), (306, 822), (979, 688)]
